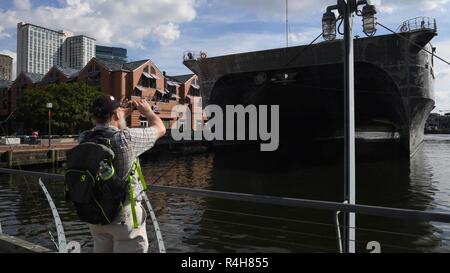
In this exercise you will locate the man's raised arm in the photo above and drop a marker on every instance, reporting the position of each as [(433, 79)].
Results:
[(153, 120)]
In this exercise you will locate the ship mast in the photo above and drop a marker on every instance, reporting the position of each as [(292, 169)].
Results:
[(287, 23)]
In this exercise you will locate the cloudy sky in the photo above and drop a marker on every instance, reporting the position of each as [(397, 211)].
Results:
[(163, 29)]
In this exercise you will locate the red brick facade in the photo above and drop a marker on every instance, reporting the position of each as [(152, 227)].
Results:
[(4, 98), (53, 76), (141, 79), (23, 81)]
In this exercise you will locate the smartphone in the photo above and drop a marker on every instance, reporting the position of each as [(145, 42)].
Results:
[(128, 104)]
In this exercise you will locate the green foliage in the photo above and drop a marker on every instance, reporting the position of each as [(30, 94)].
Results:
[(70, 112)]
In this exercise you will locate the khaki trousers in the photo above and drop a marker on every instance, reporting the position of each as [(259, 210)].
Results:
[(120, 236)]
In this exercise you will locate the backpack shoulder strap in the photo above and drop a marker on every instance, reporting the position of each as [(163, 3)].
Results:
[(103, 136)]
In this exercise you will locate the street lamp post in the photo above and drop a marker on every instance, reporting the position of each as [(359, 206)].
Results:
[(49, 107), (346, 10)]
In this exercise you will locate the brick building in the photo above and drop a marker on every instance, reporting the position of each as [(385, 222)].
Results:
[(142, 79), (23, 81), (132, 80), (58, 74), (189, 94), (6, 63), (5, 93)]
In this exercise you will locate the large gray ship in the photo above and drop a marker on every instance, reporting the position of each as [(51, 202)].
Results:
[(394, 81)]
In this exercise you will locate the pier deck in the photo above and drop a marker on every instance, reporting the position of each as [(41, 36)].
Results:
[(23, 155), (10, 244)]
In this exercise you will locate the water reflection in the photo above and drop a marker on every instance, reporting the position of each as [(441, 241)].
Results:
[(191, 224)]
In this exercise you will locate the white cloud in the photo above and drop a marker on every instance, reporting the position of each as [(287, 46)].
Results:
[(274, 10), (390, 6), (14, 56), (167, 34), (109, 21), (232, 43), (3, 34), (170, 58), (22, 4), (387, 9), (305, 37), (268, 10), (429, 5)]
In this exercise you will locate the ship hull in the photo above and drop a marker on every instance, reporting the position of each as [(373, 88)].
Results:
[(393, 90)]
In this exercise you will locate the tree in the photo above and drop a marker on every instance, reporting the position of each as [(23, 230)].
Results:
[(70, 112)]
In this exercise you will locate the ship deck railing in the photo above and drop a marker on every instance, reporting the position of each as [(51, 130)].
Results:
[(418, 24), (192, 55), (327, 235)]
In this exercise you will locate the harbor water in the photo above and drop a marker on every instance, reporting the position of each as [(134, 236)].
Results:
[(193, 224)]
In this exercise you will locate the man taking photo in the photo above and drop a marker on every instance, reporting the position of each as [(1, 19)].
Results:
[(127, 232)]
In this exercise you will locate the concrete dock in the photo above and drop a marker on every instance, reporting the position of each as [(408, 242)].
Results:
[(22, 155), (25, 155)]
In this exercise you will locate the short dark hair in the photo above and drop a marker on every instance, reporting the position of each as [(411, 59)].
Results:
[(103, 107)]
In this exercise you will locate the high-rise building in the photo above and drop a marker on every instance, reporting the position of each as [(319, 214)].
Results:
[(78, 51), (6, 63), (111, 54), (39, 49)]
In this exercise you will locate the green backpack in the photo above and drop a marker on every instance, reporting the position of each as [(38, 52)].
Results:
[(91, 183)]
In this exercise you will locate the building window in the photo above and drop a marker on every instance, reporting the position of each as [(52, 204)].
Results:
[(145, 82), (153, 83), (147, 79), (94, 68), (94, 74), (172, 89), (144, 123), (158, 97), (137, 92), (194, 92)]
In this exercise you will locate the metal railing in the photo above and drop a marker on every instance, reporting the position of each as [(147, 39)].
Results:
[(417, 24), (335, 207), (405, 214)]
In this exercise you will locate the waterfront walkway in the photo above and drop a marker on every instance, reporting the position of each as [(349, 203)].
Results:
[(25, 154), (35, 148)]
